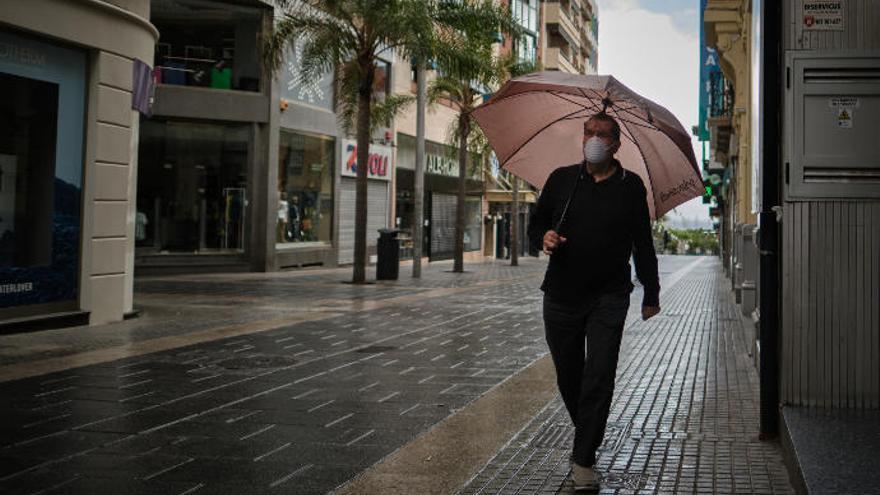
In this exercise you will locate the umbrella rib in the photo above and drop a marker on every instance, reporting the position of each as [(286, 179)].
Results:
[(533, 136), (572, 101), (629, 135), (620, 98), (648, 124), (552, 92), (506, 97), (598, 96), (626, 134), (647, 170)]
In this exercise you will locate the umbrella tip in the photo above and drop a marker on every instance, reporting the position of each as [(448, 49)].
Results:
[(606, 102)]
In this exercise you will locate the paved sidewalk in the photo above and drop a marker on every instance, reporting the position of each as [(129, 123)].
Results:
[(684, 417), (297, 383), (298, 407)]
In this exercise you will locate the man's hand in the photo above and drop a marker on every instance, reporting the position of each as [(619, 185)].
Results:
[(552, 240), (649, 311)]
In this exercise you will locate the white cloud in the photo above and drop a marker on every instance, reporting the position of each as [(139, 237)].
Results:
[(651, 55)]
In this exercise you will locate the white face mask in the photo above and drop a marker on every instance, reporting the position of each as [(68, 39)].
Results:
[(596, 151)]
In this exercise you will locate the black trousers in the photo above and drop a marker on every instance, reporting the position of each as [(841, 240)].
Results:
[(586, 380)]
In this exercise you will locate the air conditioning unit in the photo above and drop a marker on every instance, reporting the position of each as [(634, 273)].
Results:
[(832, 147)]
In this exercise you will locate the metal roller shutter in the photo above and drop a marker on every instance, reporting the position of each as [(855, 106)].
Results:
[(377, 215), (442, 226)]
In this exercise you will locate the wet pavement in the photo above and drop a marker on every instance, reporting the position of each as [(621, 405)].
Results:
[(684, 417), (297, 383)]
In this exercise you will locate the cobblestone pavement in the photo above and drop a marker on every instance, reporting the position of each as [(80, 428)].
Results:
[(684, 417)]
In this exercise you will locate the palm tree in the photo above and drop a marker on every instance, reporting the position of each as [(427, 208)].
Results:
[(348, 37), (512, 66), (464, 78), (502, 69)]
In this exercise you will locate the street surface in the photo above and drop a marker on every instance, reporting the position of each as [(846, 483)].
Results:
[(298, 382)]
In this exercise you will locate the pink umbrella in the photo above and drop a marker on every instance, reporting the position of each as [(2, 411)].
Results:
[(535, 123)]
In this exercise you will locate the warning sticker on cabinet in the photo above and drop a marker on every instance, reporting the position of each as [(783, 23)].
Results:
[(823, 15), (844, 118)]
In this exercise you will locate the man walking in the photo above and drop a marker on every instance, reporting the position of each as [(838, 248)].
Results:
[(591, 218)]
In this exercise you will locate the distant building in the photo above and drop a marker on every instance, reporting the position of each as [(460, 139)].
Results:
[(570, 35)]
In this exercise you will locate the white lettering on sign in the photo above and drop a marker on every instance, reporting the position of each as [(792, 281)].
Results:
[(16, 288), (378, 163), (823, 15), (441, 165), (21, 54)]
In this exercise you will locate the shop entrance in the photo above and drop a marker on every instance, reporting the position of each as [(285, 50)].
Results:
[(192, 187)]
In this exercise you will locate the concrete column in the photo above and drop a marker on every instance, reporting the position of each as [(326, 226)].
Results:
[(107, 191), (263, 179), (132, 214)]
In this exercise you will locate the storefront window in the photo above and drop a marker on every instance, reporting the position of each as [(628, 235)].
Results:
[(305, 189), (41, 142), (207, 43), (473, 224), (192, 187)]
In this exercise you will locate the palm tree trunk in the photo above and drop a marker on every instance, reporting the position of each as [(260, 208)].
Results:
[(465, 130), (514, 224), (419, 196), (363, 153)]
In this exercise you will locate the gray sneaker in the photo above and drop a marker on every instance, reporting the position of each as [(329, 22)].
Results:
[(584, 478)]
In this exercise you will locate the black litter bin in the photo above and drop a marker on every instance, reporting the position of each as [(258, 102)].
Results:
[(388, 251)]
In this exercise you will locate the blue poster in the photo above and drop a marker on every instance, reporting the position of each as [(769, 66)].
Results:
[(41, 164), (708, 67)]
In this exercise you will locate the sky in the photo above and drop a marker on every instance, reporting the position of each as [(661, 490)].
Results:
[(652, 46)]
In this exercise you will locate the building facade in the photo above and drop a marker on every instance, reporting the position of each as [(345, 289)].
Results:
[(441, 177), (812, 179), (570, 36), (729, 115), (243, 169), (67, 215), (204, 152), (830, 208)]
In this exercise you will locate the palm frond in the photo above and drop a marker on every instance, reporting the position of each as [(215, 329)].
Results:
[(301, 20), (445, 87), (383, 112)]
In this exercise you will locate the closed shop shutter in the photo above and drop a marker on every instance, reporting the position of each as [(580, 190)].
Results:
[(377, 215), (442, 226)]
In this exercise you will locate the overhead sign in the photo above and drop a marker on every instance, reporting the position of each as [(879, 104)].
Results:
[(823, 15), (708, 67), (378, 165)]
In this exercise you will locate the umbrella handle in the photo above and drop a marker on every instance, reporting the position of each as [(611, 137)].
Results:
[(558, 227)]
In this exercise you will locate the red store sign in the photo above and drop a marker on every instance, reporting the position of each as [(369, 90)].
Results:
[(378, 165)]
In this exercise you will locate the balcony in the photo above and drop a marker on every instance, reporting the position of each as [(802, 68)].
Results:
[(588, 36), (557, 58), (719, 114), (557, 19)]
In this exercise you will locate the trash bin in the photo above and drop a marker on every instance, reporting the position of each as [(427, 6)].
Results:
[(388, 251)]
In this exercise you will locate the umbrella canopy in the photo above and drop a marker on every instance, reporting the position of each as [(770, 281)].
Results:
[(535, 125)]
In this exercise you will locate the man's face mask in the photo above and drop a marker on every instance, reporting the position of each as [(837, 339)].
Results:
[(596, 151)]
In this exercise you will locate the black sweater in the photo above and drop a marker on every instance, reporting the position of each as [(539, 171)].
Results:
[(605, 223)]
